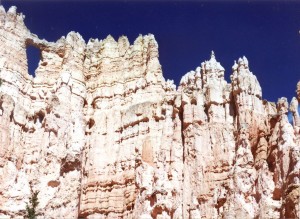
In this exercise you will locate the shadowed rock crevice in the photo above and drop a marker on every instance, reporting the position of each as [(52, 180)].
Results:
[(69, 164)]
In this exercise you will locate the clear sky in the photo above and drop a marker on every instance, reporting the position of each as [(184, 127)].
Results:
[(267, 33)]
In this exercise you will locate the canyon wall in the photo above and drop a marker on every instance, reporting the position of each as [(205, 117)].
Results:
[(100, 133)]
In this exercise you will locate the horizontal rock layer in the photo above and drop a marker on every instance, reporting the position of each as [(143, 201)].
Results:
[(101, 134)]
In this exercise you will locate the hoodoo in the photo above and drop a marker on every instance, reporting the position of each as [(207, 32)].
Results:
[(100, 133)]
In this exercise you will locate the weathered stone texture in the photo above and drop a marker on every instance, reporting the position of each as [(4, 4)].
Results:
[(101, 134)]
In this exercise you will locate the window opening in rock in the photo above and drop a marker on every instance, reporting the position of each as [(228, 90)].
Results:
[(290, 117), (33, 59)]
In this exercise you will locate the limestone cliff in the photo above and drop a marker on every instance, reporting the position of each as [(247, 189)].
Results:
[(101, 134)]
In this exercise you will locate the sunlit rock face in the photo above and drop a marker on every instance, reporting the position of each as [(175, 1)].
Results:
[(100, 133)]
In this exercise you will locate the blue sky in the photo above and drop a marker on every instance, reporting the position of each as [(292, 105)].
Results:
[(267, 33)]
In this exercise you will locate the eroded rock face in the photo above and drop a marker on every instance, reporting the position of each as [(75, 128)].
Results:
[(101, 134)]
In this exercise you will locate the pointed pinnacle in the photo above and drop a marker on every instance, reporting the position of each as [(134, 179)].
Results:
[(212, 55)]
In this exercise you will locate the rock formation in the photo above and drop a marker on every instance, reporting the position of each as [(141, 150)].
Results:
[(101, 134)]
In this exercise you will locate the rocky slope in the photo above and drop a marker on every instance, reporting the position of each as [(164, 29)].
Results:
[(101, 134)]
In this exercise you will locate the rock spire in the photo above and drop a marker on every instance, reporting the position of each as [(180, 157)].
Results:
[(100, 133)]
